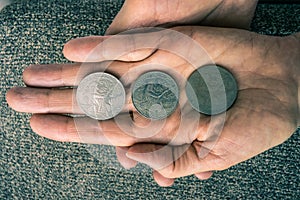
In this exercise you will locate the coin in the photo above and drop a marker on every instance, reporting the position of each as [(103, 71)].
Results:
[(155, 95), (211, 89), (100, 96)]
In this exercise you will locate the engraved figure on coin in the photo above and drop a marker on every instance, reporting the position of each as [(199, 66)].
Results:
[(86, 98), (151, 90), (154, 89), (155, 95), (103, 97)]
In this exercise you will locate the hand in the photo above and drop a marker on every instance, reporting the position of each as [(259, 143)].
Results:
[(265, 114), (150, 13), (145, 13)]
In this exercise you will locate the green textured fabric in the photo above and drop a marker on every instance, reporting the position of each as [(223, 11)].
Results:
[(33, 32)]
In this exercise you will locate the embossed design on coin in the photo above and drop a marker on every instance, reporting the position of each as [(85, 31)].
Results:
[(155, 95), (101, 96), (211, 89)]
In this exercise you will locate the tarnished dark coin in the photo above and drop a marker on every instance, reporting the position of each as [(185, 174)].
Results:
[(211, 89), (100, 96), (155, 95)]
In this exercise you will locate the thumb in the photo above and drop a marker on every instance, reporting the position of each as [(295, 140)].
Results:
[(130, 47), (134, 14), (172, 161)]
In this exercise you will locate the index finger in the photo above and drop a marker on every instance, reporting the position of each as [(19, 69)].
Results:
[(60, 75), (138, 44), (131, 47)]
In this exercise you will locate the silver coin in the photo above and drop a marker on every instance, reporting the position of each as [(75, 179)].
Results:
[(100, 96), (155, 95), (211, 89)]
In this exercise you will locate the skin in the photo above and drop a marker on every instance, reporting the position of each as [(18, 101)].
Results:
[(167, 13), (265, 114), (226, 13)]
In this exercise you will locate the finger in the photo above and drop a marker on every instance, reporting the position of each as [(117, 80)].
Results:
[(140, 45), (35, 100), (58, 75), (119, 131), (126, 162), (197, 45), (175, 161), (83, 130), (61, 75), (173, 55), (60, 101), (131, 47), (161, 180), (55, 127), (129, 16), (204, 175)]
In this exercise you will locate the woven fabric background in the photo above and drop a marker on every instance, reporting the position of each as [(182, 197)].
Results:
[(32, 167)]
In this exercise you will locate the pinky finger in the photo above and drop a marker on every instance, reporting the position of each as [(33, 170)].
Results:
[(161, 180), (204, 175)]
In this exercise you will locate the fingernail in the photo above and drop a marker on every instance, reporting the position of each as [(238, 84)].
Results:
[(133, 156)]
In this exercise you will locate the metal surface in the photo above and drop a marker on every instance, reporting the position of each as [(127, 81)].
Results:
[(155, 95), (211, 89), (101, 96)]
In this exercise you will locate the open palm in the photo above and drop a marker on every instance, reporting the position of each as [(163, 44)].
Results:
[(264, 115)]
